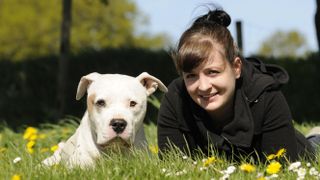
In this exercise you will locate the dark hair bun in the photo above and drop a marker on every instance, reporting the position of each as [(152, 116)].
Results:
[(215, 16)]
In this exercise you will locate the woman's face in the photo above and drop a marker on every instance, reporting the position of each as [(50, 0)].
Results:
[(212, 84)]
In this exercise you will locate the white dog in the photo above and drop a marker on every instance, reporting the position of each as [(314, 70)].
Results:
[(116, 107)]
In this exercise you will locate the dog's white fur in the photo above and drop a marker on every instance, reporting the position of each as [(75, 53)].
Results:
[(110, 96)]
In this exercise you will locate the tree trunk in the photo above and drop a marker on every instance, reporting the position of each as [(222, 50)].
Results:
[(64, 55), (317, 22)]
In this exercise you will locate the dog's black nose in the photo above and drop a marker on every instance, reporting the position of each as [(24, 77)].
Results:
[(118, 125)]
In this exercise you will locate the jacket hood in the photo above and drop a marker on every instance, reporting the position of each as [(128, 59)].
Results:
[(257, 77)]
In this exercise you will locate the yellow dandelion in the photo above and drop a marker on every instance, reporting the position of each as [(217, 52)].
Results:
[(16, 177), (54, 148), (281, 153), (209, 161), (154, 149), (43, 150), (33, 137), (30, 150), (30, 144), (29, 132), (261, 178), (42, 136), (247, 167), (271, 156), (2, 149), (273, 168)]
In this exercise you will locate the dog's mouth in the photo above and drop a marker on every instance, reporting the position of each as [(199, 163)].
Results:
[(116, 143)]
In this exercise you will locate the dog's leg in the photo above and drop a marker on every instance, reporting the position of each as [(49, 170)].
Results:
[(84, 148), (55, 158)]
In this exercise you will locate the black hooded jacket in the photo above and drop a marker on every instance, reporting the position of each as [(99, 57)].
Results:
[(262, 122)]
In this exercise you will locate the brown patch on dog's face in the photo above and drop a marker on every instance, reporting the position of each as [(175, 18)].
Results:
[(90, 102)]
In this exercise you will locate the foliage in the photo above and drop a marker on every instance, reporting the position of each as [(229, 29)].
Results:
[(20, 163), (281, 44), (28, 88), (32, 28)]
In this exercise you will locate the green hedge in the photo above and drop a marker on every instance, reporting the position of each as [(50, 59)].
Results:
[(28, 88)]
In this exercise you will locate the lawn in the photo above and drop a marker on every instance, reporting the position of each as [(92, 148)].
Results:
[(22, 151)]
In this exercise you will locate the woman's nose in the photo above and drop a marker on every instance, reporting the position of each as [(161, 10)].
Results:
[(204, 84)]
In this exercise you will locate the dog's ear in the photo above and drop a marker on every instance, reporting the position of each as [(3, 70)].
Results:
[(84, 83), (151, 83)]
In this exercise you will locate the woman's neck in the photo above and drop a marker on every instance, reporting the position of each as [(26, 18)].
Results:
[(222, 116)]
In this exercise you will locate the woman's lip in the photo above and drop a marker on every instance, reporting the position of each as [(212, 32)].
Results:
[(208, 95)]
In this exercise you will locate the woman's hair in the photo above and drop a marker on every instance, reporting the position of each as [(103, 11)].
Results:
[(196, 43)]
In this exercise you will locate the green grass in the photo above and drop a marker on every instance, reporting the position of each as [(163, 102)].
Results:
[(135, 165)]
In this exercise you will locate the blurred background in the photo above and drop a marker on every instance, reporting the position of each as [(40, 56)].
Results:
[(47, 46)]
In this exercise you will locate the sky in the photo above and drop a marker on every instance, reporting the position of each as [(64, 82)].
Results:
[(260, 18)]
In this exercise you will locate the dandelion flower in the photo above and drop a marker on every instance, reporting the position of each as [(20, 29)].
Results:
[(54, 148), (281, 153), (154, 149), (42, 136), (247, 168), (3, 149), (16, 177), (30, 150), (209, 161), (273, 168), (271, 156), (30, 144), (43, 150), (29, 132)]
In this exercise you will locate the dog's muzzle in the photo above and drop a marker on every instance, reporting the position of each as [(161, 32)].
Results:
[(118, 125)]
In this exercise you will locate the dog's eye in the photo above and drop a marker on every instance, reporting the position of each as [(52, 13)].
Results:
[(101, 103), (133, 103)]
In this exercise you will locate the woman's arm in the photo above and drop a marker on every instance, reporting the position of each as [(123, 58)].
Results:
[(277, 129), (168, 125)]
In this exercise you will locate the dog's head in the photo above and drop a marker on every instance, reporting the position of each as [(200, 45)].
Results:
[(116, 105)]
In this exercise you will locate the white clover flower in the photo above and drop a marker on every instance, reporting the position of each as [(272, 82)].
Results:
[(179, 173), (300, 178), (294, 166), (184, 157), (313, 172), (195, 162), (260, 174), (301, 172), (308, 164), (203, 168), (224, 177), (229, 170), (163, 170), (16, 160), (273, 176)]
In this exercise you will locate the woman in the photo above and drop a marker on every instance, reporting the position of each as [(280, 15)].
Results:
[(223, 101)]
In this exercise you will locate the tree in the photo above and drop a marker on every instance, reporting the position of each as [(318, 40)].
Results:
[(32, 28), (64, 53), (317, 23), (284, 44)]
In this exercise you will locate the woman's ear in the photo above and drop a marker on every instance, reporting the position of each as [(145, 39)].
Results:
[(237, 66)]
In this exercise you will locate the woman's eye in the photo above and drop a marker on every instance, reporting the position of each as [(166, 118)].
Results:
[(133, 103), (101, 103), (189, 76), (213, 72)]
